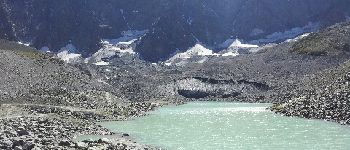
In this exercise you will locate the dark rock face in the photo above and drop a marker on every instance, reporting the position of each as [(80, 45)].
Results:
[(173, 25), (5, 26), (193, 94)]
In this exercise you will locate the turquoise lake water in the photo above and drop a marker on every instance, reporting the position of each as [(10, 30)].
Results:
[(238, 126)]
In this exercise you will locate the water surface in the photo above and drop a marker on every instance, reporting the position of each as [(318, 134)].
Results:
[(239, 126)]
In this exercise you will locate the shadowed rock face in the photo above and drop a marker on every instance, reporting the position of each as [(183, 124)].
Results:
[(6, 30), (173, 25)]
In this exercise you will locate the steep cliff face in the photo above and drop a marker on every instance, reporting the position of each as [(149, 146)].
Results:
[(5, 25), (172, 25)]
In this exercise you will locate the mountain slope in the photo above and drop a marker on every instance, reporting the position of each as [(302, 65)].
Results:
[(323, 95), (173, 25)]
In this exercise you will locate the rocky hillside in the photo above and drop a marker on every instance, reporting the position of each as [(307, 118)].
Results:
[(323, 95), (45, 103), (172, 25), (334, 41), (32, 76)]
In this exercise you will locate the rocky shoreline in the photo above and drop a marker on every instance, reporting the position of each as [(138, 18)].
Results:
[(37, 127), (325, 94)]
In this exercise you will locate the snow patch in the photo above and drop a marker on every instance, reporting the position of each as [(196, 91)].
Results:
[(192, 54), (238, 44), (101, 63), (294, 32), (24, 43), (236, 48), (197, 50), (69, 57), (298, 38), (124, 45), (68, 54), (200, 54)]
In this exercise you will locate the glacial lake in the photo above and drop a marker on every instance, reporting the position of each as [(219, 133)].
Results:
[(226, 126)]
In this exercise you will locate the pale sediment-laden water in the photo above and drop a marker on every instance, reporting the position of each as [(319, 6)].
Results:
[(215, 125)]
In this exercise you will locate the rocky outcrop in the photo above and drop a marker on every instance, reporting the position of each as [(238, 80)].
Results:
[(43, 132)]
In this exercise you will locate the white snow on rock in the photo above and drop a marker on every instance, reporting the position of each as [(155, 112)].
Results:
[(69, 57), (200, 54), (235, 47), (101, 63), (197, 50), (298, 38), (238, 44), (193, 54), (68, 54), (124, 45), (121, 47), (289, 34), (24, 43)]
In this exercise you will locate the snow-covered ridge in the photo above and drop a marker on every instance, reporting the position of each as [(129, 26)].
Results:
[(199, 54), (236, 43), (239, 44), (124, 45), (197, 50)]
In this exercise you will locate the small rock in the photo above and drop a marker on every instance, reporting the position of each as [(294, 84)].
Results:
[(22, 132), (17, 143), (64, 143)]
